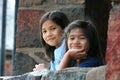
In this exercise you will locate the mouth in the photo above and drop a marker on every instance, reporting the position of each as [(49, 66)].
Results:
[(50, 39), (78, 47)]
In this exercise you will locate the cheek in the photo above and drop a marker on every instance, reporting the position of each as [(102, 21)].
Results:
[(86, 44), (44, 38), (69, 44)]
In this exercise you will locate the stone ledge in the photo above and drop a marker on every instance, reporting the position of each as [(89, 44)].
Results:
[(74, 73), (66, 74), (97, 73)]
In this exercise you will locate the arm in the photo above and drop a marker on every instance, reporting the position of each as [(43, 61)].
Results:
[(74, 54), (65, 61)]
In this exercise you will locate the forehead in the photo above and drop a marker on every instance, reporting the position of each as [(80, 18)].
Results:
[(76, 31), (49, 24)]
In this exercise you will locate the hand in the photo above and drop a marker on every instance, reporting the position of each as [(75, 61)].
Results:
[(39, 67), (77, 54)]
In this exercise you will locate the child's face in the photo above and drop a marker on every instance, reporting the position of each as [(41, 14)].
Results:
[(52, 33), (77, 39)]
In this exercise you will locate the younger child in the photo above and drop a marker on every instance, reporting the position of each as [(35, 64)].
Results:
[(82, 40)]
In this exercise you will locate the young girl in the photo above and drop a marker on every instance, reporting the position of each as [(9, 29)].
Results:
[(52, 26), (82, 40)]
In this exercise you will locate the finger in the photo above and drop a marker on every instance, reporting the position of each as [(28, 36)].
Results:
[(34, 69), (81, 56), (85, 57), (41, 64), (36, 65)]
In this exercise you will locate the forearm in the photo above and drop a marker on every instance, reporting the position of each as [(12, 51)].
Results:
[(64, 62)]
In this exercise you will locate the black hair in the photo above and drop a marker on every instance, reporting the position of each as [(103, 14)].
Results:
[(91, 34), (60, 19)]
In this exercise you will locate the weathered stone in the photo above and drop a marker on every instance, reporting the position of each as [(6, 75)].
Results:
[(28, 28), (74, 73), (69, 1), (77, 12), (25, 57), (34, 3), (113, 46), (23, 63), (97, 73)]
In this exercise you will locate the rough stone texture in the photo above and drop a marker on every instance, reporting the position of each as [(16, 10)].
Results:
[(26, 58), (23, 64), (77, 12), (28, 28), (67, 74), (34, 3), (113, 46), (69, 1), (97, 73), (26, 76)]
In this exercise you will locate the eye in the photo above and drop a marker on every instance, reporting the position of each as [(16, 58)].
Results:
[(44, 31), (71, 38), (53, 28), (82, 37)]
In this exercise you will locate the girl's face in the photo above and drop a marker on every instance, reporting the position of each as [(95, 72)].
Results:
[(77, 39), (52, 33)]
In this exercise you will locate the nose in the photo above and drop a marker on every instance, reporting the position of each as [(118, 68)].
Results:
[(76, 40), (76, 44), (49, 33)]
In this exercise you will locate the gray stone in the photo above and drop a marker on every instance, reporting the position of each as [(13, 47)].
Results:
[(69, 1), (22, 64), (27, 76), (97, 73), (74, 73)]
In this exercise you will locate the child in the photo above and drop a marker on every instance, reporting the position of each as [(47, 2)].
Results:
[(82, 40), (52, 26)]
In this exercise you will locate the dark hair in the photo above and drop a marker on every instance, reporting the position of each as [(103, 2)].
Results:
[(60, 19), (91, 34)]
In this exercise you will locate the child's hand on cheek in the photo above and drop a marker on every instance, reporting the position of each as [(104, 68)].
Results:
[(78, 54)]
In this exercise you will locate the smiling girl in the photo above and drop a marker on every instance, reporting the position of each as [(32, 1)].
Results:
[(52, 26), (83, 46)]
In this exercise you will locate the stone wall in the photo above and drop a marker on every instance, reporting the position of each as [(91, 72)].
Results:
[(113, 46)]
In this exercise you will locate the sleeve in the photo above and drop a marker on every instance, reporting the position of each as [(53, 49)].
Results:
[(90, 62)]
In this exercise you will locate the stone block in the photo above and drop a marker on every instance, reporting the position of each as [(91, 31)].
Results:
[(97, 73), (73, 73), (113, 45), (69, 1), (28, 28)]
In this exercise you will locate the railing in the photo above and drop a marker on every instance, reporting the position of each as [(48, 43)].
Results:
[(2, 53), (3, 33)]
